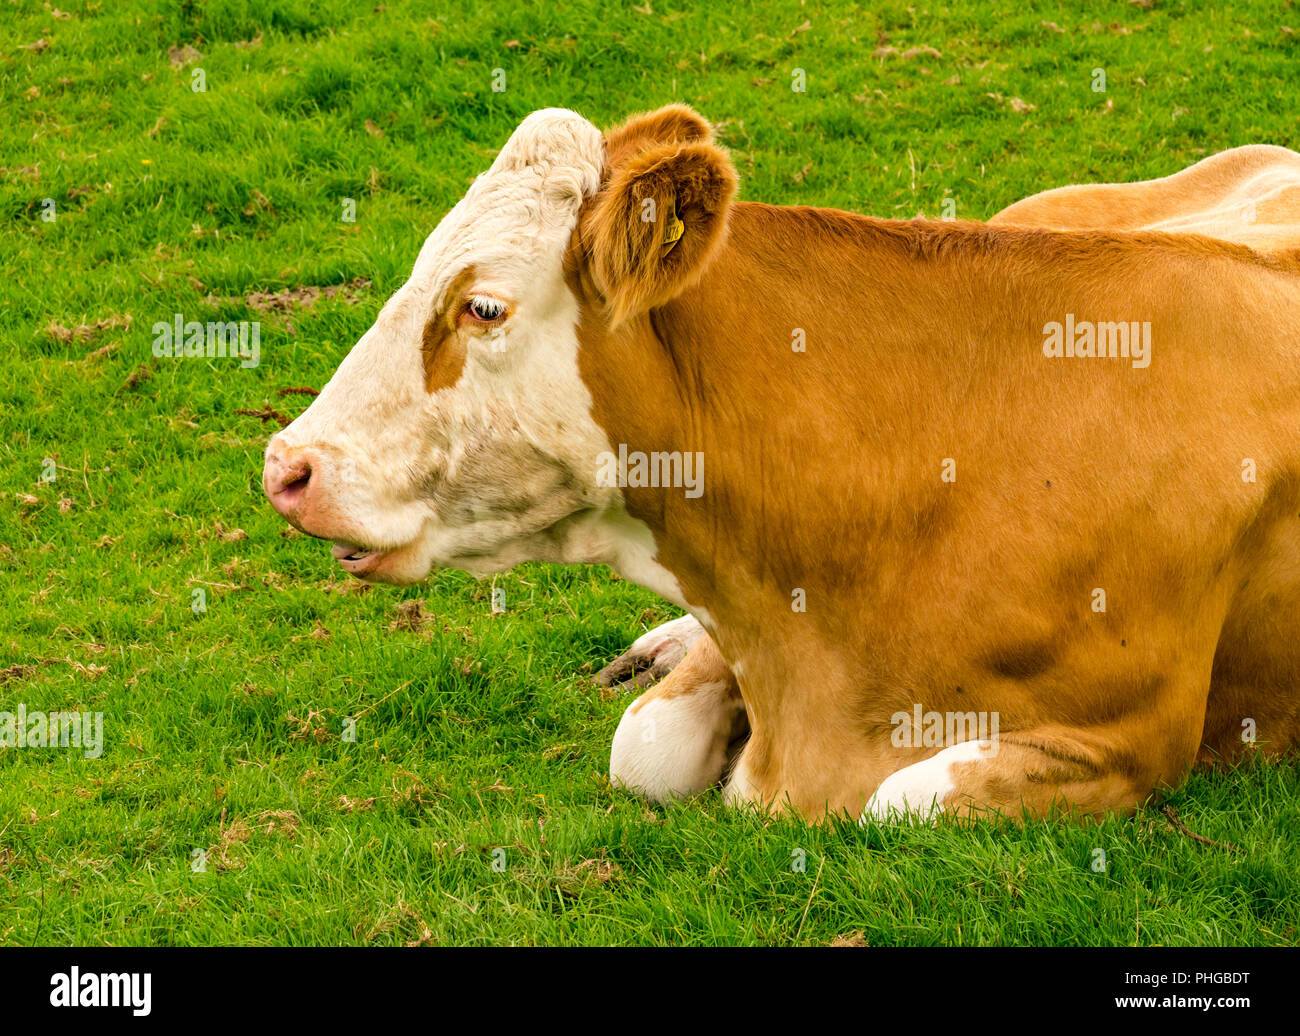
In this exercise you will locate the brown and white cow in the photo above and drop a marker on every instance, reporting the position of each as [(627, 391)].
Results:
[(924, 493)]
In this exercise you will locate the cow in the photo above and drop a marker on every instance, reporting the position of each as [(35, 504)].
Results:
[(1247, 195), (983, 518)]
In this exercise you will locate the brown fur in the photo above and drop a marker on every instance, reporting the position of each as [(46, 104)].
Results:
[(1248, 195), (672, 124), (441, 349), (924, 343), (671, 162)]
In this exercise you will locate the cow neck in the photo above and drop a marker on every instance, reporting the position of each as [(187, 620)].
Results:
[(807, 366)]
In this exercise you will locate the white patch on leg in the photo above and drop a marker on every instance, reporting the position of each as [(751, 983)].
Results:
[(740, 787), (668, 643), (918, 791), (674, 747)]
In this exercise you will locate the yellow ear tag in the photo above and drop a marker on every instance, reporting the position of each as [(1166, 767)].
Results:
[(674, 228)]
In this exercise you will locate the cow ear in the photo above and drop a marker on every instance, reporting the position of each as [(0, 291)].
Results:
[(660, 215), (671, 124)]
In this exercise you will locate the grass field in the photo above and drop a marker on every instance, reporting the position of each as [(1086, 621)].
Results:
[(224, 711)]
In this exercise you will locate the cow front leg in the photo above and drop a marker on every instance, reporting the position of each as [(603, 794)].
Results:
[(678, 738), (1033, 774), (653, 655)]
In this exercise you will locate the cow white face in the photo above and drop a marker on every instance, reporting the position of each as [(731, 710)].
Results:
[(458, 431)]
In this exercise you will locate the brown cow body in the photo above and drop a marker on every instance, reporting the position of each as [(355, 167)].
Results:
[(1085, 483), (918, 510)]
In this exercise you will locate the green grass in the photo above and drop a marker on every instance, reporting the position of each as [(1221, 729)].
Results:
[(477, 733)]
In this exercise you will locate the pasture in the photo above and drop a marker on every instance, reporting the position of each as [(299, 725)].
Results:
[(292, 757)]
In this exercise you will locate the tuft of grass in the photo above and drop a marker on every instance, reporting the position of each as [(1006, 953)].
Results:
[(147, 579)]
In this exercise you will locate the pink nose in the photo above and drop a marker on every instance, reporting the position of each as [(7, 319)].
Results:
[(285, 480)]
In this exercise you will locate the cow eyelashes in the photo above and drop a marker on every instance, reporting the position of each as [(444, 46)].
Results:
[(484, 309)]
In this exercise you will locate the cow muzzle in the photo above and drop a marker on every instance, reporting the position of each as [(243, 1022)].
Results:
[(304, 487), (288, 482)]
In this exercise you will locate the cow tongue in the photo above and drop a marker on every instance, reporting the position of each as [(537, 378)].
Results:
[(342, 549)]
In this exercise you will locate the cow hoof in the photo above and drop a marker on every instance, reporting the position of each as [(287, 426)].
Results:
[(653, 655)]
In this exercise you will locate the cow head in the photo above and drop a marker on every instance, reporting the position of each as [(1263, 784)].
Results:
[(459, 430)]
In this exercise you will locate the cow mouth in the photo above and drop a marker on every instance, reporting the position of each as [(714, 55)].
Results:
[(355, 559)]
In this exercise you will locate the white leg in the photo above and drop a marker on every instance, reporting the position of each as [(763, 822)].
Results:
[(654, 654), (918, 791), (674, 746)]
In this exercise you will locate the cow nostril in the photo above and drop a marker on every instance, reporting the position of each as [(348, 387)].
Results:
[(295, 485), (286, 483)]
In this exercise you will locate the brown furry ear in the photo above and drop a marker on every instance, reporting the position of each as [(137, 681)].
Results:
[(659, 218), (671, 124)]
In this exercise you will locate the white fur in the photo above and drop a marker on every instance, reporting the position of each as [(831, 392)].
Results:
[(918, 791), (500, 467), (674, 747), (740, 788), (668, 642)]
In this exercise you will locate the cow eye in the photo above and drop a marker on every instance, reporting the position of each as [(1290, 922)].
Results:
[(485, 309)]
